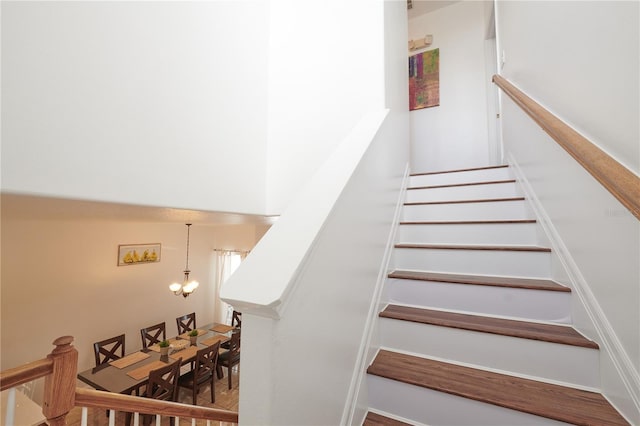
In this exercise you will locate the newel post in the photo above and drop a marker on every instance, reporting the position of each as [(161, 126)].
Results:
[(60, 386)]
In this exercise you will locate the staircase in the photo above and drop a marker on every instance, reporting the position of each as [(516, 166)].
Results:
[(475, 332)]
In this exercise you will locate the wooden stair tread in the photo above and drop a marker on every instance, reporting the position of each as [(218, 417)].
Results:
[(461, 170), (542, 399), (472, 247), (506, 327), (449, 185), (480, 200), (467, 222), (511, 282), (375, 419)]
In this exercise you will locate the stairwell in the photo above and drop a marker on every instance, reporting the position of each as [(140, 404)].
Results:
[(475, 332)]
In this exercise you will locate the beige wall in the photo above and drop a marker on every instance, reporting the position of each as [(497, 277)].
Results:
[(60, 278)]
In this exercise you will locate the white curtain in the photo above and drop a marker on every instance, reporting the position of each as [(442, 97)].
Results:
[(226, 264)]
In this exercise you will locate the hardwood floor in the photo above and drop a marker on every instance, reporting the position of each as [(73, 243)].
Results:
[(225, 399)]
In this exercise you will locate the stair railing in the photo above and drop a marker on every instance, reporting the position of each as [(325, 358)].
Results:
[(59, 370), (621, 182)]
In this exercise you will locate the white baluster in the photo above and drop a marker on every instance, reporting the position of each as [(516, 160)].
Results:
[(85, 416), (112, 417), (11, 407), (136, 419), (158, 419)]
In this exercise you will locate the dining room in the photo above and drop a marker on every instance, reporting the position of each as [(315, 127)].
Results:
[(63, 274)]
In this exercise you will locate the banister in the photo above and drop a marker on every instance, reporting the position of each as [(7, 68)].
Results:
[(25, 373), (107, 400), (621, 182)]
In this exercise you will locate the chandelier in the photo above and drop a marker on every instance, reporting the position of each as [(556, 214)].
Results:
[(188, 286)]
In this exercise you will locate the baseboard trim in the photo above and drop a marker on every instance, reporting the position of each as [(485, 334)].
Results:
[(606, 336)]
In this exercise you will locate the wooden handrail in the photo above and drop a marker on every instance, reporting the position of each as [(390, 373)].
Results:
[(621, 182), (25, 373), (107, 400)]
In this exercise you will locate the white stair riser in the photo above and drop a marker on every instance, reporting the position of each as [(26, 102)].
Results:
[(526, 304), (480, 262), (470, 192), (431, 407), (461, 177), (567, 364), (474, 234), (504, 210)]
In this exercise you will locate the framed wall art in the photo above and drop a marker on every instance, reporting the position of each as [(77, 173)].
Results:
[(424, 80), (135, 254)]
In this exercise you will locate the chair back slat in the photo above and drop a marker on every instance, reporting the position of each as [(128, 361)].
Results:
[(163, 382), (206, 361), (231, 357), (202, 373), (153, 334), (234, 343), (236, 319), (186, 323), (109, 349)]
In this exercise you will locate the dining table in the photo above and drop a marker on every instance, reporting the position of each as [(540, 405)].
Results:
[(130, 373)]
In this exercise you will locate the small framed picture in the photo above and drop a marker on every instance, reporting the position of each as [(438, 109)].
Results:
[(136, 254)]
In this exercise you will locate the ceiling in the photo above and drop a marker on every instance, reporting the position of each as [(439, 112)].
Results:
[(420, 7), (27, 207)]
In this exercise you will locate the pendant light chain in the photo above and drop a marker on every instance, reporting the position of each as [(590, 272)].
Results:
[(188, 286), (186, 268)]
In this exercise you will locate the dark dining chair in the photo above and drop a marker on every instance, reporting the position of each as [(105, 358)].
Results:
[(186, 323), (203, 373), (162, 385), (231, 357), (153, 334), (236, 319), (109, 349)]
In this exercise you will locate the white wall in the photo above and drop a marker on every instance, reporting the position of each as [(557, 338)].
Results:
[(59, 277), (153, 103), (301, 367), (580, 60), (307, 290), (324, 74), (167, 103), (454, 134)]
